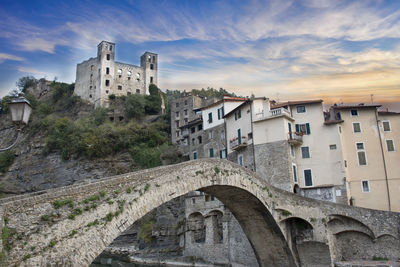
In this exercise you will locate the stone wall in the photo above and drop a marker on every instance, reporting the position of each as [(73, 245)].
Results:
[(273, 164), (248, 157)]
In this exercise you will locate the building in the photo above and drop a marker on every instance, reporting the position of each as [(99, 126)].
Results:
[(98, 78), (368, 138)]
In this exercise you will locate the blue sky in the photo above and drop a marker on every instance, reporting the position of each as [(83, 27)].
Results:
[(336, 50)]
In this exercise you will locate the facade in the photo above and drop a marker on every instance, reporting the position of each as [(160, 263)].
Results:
[(98, 78), (369, 139)]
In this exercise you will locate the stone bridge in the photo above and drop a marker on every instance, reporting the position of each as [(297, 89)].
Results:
[(71, 226)]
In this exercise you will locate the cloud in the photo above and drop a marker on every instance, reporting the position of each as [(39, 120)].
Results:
[(4, 57), (31, 71)]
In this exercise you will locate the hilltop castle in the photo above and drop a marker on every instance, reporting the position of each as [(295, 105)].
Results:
[(98, 78)]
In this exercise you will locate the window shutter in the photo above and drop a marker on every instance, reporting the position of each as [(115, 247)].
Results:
[(308, 128), (297, 128), (219, 114), (240, 114), (235, 116), (223, 111), (220, 154)]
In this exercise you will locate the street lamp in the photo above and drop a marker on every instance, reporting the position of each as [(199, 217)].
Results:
[(20, 110)]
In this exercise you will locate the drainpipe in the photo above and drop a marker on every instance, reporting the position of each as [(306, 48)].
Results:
[(383, 158), (252, 133)]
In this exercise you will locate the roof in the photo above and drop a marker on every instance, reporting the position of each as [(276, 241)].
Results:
[(192, 122), (388, 113), (225, 99), (293, 103), (361, 105), (233, 110)]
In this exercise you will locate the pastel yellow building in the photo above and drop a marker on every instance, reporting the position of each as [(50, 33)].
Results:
[(372, 163)]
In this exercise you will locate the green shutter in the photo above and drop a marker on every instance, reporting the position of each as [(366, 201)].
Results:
[(223, 111), (211, 152), (219, 114), (239, 136), (210, 117), (297, 128), (235, 115), (240, 114), (308, 128), (220, 154)]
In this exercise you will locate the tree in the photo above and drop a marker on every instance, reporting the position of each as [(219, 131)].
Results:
[(25, 82), (153, 101), (134, 106)]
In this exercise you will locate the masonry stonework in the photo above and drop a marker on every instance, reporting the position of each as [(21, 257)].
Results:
[(70, 226)]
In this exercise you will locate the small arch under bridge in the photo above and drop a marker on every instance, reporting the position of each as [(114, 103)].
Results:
[(71, 226)]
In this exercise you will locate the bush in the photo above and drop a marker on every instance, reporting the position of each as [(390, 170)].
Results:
[(146, 157), (111, 97), (44, 109), (134, 106), (25, 82), (99, 116), (6, 159)]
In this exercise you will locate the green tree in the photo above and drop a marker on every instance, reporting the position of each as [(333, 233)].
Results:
[(134, 106), (153, 101), (25, 82)]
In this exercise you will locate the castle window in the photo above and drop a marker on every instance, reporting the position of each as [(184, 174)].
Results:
[(149, 58), (90, 96), (119, 87), (107, 82), (108, 56), (137, 91), (91, 77), (91, 67), (107, 70), (151, 79), (110, 47), (129, 78), (129, 73), (154, 58), (106, 91), (90, 87), (119, 71), (129, 93), (138, 76), (151, 66)]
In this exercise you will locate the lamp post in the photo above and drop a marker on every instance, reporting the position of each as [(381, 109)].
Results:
[(20, 110)]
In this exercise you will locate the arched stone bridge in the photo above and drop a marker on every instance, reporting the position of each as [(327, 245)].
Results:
[(70, 226)]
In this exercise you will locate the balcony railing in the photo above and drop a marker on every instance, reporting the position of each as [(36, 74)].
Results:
[(279, 111), (295, 138), (236, 144)]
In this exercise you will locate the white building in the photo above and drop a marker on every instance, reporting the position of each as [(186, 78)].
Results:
[(98, 78)]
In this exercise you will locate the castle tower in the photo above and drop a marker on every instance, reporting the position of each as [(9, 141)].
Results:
[(149, 63), (106, 56)]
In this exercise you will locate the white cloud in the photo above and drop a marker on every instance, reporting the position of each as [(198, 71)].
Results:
[(4, 57)]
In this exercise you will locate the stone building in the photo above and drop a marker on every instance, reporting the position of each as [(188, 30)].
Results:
[(98, 78)]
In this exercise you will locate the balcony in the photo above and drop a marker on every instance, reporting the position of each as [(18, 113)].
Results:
[(295, 138), (185, 133), (280, 111), (235, 144)]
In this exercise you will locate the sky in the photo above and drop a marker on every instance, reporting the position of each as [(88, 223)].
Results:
[(340, 51)]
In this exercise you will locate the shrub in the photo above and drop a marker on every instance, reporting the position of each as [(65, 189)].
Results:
[(44, 109), (146, 157), (99, 115), (6, 159), (134, 106), (145, 231)]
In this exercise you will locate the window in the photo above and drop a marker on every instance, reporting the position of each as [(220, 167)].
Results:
[(129, 78), (177, 133), (119, 87), (239, 132), (362, 158), (386, 126), (91, 67), (240, 159), (200, 127), (90, 96), (185, 112), (222, 154), (107, 70), (301, 109), (177, 124), (119, 71), (107, 82), (154, 58), (210, 119), (308, 178), (390, 145), (250, 136), (199, 139), (305, 152), (151, 79), (294, 173), (151, 66), (354, 112), (211, 152), (129, 73), (186, 120), (220, 113), (129, 93), (193, 129), (185, 102), (195, 155), (106, 91), (108, 56), (110, 47), (137, 91), (138, 76), (303, 128), (210, 135), (239, 114), (193, 141), (177, 114), (365, 186), (222, 135), (149, 58), (356, 127), (177, 105), (292, 151), (332, 147)]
